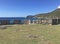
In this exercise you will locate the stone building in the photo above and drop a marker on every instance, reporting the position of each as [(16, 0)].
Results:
[(18, 20), (52, 21)]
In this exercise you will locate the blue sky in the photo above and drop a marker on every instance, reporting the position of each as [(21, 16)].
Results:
[(22, 8)]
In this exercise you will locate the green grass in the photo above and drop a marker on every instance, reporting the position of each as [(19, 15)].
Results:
[(46, 34)]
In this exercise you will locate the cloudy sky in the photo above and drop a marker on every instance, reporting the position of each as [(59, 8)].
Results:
[(22, 8)]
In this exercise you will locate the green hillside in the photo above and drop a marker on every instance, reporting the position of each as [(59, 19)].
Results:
[(55, 13)]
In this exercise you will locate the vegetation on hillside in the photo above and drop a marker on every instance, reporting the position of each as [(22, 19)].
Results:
[(55, 13)]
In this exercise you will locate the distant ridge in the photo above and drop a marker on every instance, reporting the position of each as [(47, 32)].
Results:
[(55, 13)]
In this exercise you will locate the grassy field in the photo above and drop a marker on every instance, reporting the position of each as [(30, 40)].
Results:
[(30, 34)]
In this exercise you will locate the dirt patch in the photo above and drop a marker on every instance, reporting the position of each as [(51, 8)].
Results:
[(32, 36)]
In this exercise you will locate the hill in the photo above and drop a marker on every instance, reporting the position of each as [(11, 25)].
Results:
[(55, 13)]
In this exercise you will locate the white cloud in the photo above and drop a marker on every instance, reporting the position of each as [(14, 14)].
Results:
[(58, 6)]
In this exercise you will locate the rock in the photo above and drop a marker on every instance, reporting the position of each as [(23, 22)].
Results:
[(3, 27), (32, 36)]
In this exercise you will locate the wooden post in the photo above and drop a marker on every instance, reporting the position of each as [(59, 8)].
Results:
[(57, 20), (29, 22), (33, 21)]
